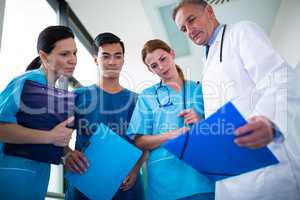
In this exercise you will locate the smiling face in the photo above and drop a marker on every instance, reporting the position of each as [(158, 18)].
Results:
[(110, 58), (62, 59), (161, 62), (196, 22)]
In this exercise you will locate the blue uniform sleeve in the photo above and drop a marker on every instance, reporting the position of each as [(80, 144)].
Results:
[(141, 122), (10, 101), (197, 102)]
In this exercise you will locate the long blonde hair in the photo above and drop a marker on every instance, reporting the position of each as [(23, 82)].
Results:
[(152, 45)]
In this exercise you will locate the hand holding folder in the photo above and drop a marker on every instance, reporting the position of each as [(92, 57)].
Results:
[(42, 108), (111, 158), (210, 149)]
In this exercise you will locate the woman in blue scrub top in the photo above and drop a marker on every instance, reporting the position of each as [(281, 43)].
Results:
[(161, 113), (109, 103), (22, 178)]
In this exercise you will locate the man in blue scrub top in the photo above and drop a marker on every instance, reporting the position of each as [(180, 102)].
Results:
[(109, 103)]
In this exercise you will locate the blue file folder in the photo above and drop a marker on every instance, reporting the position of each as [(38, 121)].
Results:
[(209, 147), (41, 107), (111, 158)]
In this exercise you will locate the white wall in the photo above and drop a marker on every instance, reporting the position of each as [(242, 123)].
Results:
[(2, 6), (286, 31), (262, 12), (127, 20)]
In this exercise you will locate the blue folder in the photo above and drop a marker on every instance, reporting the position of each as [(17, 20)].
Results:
[(111, 158), (41, 107), (210, 149)]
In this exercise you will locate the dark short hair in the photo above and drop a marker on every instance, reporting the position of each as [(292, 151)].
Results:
[(182, 3), (106, 38)]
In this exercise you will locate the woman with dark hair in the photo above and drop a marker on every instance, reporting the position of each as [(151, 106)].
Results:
[(22, 178), (163, 112)]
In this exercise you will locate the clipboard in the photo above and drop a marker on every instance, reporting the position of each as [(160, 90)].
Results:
[(41, 107), (111, 158), (210, 148)]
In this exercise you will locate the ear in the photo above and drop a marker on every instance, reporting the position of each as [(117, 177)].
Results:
[(44, 57), (95, 60), (173, 54), (210, 11)]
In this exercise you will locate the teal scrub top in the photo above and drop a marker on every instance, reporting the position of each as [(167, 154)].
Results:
[(168, 176), (11, 95), (20, 178)]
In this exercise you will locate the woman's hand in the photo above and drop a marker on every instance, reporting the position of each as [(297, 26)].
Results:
[(190, 116), (176, 133), (75, 161), (60, 135)]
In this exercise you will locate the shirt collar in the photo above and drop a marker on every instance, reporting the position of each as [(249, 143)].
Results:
[(214, 35)]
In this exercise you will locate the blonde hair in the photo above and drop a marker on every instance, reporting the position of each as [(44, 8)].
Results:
[(152, 45)]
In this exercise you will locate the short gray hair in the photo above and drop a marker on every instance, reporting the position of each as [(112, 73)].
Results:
[(182, 3)]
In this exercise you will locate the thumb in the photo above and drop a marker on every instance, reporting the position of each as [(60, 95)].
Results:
[(183, 113), (67, 121)]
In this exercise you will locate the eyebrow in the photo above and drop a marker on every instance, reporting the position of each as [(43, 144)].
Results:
[(117, 53)]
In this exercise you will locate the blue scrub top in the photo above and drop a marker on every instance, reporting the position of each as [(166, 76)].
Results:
[(11, 95), (20, 178), (95, 106), (168, 177)]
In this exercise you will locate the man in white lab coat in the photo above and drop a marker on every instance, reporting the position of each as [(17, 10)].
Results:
[(241, 66)]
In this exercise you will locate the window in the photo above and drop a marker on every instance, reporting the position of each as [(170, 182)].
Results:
[(20, 33), (23, 21)]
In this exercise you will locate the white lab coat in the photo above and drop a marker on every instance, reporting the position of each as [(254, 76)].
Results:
[(254, 77)]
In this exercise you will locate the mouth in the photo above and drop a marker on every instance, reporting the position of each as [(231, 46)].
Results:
[(166, 72), (70, 70), (196, 36)]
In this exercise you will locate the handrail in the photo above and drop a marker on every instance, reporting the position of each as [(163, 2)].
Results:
[(55, 195)]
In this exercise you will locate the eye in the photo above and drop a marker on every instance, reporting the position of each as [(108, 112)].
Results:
[(153, 66), (162, 58), (191, 19), (183, 29), (105, 57), (118, 56), (63, 54)]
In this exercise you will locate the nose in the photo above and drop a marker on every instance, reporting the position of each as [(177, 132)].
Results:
[(73, 59), (112, 61), (190, 32), (160, 66)]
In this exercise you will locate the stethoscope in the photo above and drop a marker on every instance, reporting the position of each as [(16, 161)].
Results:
[(162, 87), (222, 41)]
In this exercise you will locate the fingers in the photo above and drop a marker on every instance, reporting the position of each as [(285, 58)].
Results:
[(128, 183), (185, 112), (77, 162), (190, 116), (261, 133), (251, 126), (67, 121)]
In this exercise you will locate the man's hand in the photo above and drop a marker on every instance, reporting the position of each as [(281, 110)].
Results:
[(76, 162), (262, 133)]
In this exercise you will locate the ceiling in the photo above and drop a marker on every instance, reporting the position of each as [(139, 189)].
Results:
[(131, 20)]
